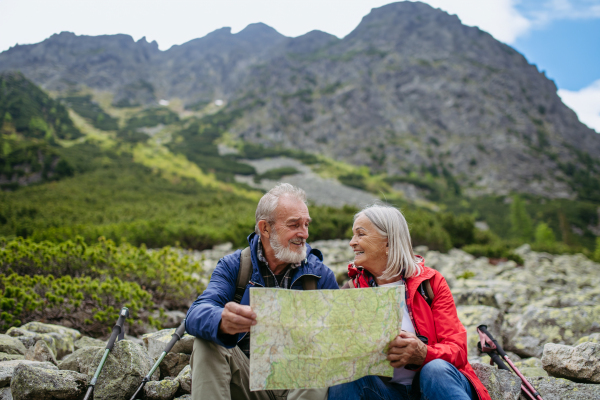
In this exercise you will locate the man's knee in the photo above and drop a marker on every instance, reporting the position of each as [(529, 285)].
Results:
[(206, 352)]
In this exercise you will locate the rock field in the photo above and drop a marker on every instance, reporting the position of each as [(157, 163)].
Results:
[(546, 314)]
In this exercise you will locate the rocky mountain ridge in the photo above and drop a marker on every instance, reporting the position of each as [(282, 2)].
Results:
[(411, 92)]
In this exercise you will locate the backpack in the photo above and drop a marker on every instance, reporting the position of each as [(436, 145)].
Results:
[(309, 282)]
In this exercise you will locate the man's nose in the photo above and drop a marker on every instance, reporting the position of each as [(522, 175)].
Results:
[(303, 232)]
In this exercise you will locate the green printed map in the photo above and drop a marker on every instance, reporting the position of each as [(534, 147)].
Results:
[(321, 338)]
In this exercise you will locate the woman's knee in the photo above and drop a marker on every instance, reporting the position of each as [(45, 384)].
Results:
[(435, 370)]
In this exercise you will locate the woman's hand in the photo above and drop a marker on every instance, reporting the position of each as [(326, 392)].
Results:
[(406, 349)]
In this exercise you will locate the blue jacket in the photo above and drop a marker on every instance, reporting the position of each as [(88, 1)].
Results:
[(204, 315)]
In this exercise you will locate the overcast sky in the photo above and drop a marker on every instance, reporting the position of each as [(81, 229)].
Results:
[(562, 37)]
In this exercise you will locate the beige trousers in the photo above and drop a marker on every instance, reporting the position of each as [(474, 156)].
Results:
[(224, 374)]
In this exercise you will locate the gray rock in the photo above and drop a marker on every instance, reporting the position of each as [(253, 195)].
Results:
[(123, 371), (39, 327), (184, 397), (530, 367), (501, 384), (173, 364), (475, 297), (541, 325), (473, 316), (185, 379), (7, 369), (155, 343), (42, 384), (581, 363), (594, 338), (173, 318), (29, 339), (80, 360), (5, 393), (551, 388), (63, 336), (87, 341), (9, 357), (161, 390), (40, 352), (11, 345)]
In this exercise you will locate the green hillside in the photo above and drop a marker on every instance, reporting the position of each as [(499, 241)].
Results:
[(87, 188)]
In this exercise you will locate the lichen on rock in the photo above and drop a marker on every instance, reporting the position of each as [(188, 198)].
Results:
[(42, 384)]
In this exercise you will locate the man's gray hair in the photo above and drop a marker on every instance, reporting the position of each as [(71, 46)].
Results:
[(391, 224), (268, 203)]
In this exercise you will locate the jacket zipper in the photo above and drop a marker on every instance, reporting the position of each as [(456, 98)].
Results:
[(255, 284)]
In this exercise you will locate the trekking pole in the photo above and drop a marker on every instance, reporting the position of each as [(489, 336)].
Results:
[(178, 334), (117, 332), (489, 345)]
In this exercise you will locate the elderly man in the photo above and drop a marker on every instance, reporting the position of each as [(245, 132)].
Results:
[(280, 258)]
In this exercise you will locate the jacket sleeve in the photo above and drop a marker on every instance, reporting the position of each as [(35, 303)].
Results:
[(451, 335), (204, 316), (327, 280)]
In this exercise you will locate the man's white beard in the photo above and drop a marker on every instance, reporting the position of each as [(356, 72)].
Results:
[(285, 253)]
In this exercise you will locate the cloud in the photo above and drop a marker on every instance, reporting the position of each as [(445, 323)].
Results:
[(500, 18), (543, 13), (585, 103)]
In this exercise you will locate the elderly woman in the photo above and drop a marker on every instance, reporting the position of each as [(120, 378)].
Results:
[(429, 356)]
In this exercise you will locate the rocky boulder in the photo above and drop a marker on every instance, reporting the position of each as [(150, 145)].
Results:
[(29, 339), (501, 384), (10, 357), (40, 352), (7, 369), (531, 367), (551, 388), (63, 336), (155, 343), (123, 371), (526, 334), (5, 394), (80, 360), (42, 384), (173, 364), (594, 338), (10, 345), (161, 390), (185, 379), (87, 341), (581, 363), (473, 316)]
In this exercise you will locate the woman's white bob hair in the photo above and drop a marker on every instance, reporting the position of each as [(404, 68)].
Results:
[(392, 225)]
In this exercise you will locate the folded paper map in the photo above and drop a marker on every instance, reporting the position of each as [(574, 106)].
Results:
[(321, 338)]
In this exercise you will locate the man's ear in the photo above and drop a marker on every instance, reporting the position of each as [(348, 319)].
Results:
[(264, 228)]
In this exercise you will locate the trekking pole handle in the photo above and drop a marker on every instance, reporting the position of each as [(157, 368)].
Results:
[(178, 334), (499, 349), (118, 328)]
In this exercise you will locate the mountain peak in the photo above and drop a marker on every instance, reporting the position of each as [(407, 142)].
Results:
[(259, 33)]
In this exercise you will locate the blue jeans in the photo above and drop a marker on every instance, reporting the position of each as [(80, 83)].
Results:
[(438, 379)]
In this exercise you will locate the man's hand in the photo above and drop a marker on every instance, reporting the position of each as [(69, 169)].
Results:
[(406, 349), (236, 319)]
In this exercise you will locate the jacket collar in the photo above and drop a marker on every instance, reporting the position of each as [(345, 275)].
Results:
[(303, 269)]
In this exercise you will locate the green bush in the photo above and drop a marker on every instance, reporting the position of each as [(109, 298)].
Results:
[(544, 235), (426, 229), (521, 224), (461, 228), (596, 255), (164, 273), (90, 305), (498, 250), (88, 109)]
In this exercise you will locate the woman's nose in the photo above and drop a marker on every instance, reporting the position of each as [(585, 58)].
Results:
[(352, 241)]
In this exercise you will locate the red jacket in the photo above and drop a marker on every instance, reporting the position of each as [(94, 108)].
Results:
[(440, 324)]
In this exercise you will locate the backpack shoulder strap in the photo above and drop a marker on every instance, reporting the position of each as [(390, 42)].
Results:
[(244, 274), (309, 282), (426, 291)]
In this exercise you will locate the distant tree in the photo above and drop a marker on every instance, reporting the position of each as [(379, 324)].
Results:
[(544, 235), (597, 251), (520, 221)]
